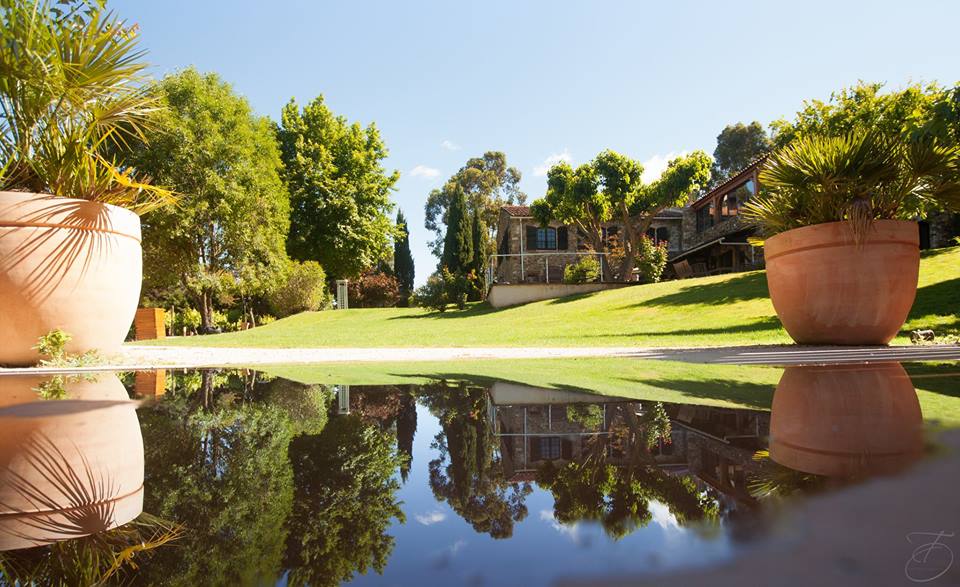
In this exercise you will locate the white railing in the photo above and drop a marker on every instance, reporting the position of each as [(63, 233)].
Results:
[(493, 264)]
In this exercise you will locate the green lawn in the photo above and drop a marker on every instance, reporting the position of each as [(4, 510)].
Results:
[(736, 386), (710, 311)]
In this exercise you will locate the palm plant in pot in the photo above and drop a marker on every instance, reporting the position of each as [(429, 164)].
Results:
[(71, 97), (841, 241)]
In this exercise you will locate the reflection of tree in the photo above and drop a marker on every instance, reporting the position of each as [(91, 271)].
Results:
[(406, 430), (468, 474), (343, 502), (216, 461), (618, 495)]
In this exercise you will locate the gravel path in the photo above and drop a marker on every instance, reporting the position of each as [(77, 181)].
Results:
[(134, 356)]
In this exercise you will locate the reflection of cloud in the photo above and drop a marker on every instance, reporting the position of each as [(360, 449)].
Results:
[(542, 169), (450, 145), (445, 557), (430, 518), (662, 516), (571, 531), (654, 167), (424, 171)]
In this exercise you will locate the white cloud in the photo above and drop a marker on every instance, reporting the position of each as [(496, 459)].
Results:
[(542, 169), (424, 171), (450, 145), (654, 167), (430, 518)]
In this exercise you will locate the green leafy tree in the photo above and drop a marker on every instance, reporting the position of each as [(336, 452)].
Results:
[(738, 145), (233, 215), (610, 188), (904, 113), (403, 266), (488, 183), (344, 502), (339, 189)]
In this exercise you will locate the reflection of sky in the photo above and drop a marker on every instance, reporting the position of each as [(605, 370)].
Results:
[(437, 547)]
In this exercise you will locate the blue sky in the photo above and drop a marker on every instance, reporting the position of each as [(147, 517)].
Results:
[(445, 81)]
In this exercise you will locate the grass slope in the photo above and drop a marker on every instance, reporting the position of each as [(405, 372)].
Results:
[(733, 386), (710, 311)]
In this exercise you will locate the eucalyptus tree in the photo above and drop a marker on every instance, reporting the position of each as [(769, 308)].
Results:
[(488, 182)]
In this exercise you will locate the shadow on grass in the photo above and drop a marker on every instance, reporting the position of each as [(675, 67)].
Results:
[(938, 299), (749, 286), (769, 323), (477, 309), (573, 298)]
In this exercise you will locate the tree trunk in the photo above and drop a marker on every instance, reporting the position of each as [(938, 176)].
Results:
[(206, 311)]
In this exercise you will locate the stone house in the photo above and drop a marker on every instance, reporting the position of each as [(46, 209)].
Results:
[(529, 253)]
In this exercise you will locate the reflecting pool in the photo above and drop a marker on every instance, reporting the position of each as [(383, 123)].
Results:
[(243, 477)]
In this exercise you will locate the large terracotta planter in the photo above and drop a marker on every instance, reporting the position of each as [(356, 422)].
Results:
[(68, 264), (827, 290), (68, 467), (846, 420)]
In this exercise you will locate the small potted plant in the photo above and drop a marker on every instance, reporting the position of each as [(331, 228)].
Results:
[(71, 97), (840, 238)]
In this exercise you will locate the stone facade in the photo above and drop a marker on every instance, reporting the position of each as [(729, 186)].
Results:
[(944, 228), (547, 266)]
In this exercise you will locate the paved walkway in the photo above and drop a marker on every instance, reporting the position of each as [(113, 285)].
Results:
[(134, 356)]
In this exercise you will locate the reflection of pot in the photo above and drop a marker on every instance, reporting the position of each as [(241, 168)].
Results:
[(846, 420), (68, 467), (68, 264)]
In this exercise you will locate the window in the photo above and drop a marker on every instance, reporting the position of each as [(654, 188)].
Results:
[(547, 239), (705, 217), (736, 197), (549, 448)]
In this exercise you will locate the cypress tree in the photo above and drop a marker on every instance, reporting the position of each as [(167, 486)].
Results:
[(403, 260), (458, 243), (479, 264)]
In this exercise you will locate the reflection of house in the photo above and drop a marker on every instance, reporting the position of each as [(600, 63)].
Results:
[(715, 446), (535, 425), (720, 444), (529, 253)]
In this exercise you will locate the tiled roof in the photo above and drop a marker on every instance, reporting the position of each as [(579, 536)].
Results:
[(516, 210)]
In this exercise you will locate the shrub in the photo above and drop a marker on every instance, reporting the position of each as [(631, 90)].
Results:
[(651, 260), (432, 295), (303, 289), (374, 290), (586, 270)]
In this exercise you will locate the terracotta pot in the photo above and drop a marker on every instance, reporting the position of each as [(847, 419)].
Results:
[(68, 467), (67, 264), (846, 420), (827, 290)]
